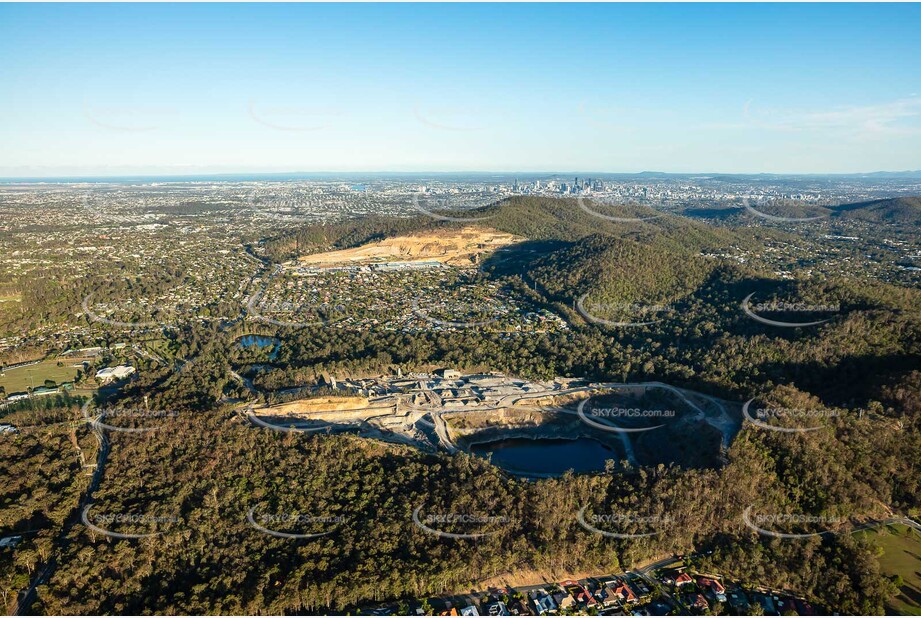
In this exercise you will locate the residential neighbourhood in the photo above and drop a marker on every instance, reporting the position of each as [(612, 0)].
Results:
[(444, 298), (673, 589)]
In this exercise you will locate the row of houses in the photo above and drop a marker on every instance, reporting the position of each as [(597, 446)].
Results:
[(705, 594), (670, 591), (615, 595), (593, 595), (312, 271)]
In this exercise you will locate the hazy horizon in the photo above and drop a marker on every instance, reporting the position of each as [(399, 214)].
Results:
[(326, 174)]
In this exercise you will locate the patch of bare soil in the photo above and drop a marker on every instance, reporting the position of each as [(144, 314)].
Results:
[(458, 247), (316, 404)]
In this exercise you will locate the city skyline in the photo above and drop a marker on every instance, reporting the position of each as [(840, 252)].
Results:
[(438, 89)]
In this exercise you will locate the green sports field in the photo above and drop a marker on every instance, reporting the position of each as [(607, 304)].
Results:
[(22, 378), (901, 547)]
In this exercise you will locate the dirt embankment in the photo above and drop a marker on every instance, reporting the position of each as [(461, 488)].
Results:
[(469, 428), (449, 246), (345, 410), (314, 405)]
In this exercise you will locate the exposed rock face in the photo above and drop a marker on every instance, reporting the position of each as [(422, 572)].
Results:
[(467, 429), (449, 246), (331, 409)]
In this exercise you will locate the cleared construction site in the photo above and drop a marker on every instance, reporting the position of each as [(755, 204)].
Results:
[(448, 411)]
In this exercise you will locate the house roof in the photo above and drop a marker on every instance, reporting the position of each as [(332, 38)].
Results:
[(584, 596), (699, 601), (544, 603), (712, 584), (566, 601), (625, 592)]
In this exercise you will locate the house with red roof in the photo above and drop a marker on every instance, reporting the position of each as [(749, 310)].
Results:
[(623, 593), (713, 586), (697, 602), (579, 593)]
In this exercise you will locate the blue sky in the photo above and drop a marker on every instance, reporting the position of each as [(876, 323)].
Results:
[(109, 89)]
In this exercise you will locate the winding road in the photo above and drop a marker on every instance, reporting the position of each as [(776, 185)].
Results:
[(28, 597)]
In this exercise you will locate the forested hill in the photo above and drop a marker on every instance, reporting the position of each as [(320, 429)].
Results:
[(900, 210), (534, 218), (621, 270), (540, 218), (904, 211)]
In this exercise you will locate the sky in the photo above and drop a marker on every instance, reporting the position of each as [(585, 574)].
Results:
[(110, 89)]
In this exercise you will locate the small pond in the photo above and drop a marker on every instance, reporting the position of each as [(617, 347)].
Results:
[(261, 341)]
